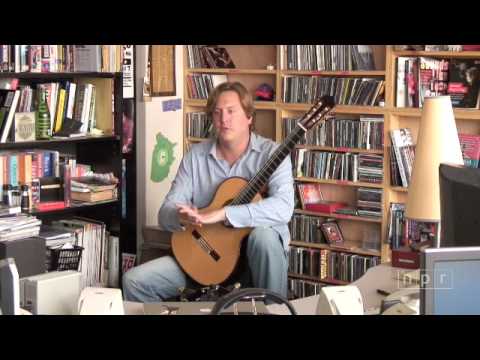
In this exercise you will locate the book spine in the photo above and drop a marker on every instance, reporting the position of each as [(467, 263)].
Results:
[(13, 169), (60, 110), (47, 164)]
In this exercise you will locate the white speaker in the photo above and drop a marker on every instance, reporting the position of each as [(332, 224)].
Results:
[(340, 300)]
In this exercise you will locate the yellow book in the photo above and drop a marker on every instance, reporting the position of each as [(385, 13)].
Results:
[(60, 110), (28, 168)]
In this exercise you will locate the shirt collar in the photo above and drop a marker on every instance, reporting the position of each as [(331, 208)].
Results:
[(252, 145)]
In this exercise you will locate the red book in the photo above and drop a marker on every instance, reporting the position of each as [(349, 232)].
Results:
[(471, 47), (50, 205), (325, 206)]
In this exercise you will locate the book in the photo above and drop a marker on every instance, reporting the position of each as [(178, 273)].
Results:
[(332, 233), (464, 83), (402, 144), (309, 194), (50, 205), (311, 199), (92, 196), (470, 145), (9, 210), (49, 232), (87, 58), (217, 57), (9, 106), (113, 261)]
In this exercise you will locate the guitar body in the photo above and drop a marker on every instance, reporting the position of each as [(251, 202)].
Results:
[(213, 263)]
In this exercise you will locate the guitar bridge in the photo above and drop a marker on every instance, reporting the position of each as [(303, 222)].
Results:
[(205, 246)]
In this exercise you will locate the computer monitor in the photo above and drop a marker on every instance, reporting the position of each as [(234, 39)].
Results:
[(459, 206), (9, 288), (449, 283)]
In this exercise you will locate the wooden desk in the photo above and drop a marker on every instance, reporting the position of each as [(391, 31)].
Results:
[(384, 277)]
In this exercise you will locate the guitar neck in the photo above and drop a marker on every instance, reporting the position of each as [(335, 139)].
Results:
[(310, 119), (261, 178)]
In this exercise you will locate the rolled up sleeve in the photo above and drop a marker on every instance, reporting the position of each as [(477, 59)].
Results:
[(181, 192)]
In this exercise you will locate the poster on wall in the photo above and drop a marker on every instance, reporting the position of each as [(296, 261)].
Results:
[(162, 158), (127, 68)]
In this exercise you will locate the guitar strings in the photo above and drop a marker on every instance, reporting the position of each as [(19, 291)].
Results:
[(249, 191)]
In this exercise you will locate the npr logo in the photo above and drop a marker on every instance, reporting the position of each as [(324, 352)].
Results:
[(436, 280)]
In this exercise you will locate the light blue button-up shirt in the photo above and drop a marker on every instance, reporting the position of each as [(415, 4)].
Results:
[(201, 172)]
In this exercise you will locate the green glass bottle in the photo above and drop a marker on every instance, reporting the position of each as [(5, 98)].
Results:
[(42, 123)]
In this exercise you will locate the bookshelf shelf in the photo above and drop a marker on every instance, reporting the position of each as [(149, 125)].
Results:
[(467, 114), (43, 143), (56, 75), (74, 208), (339, 149), (339, 216), (339, 109), (339, 182), (348, 249), (333, 73), (399, 189), (316, 279), (260, 105), (233, 71), (445, 54)]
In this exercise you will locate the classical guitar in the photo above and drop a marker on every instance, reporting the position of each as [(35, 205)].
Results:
[(209, 254)]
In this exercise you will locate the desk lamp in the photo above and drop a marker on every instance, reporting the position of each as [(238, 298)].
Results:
[(437, 142)]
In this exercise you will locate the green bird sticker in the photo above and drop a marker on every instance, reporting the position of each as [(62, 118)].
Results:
[(162, 158)]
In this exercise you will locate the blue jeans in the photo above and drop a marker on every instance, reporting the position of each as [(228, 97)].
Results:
[(160, 279)]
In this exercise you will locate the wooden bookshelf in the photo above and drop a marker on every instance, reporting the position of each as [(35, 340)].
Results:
[(251, 62), (467, 120)]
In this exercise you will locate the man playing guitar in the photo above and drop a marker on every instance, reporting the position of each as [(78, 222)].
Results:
[(236, 151)]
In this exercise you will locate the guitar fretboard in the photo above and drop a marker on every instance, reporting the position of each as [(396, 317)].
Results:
[(312, 117), (260, 179)]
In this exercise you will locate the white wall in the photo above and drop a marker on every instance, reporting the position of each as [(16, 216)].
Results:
[(151, 120)]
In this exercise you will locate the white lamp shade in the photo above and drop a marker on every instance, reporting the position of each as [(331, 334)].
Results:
[(437, 142)]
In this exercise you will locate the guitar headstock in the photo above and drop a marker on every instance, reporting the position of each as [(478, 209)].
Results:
[(321, 108)]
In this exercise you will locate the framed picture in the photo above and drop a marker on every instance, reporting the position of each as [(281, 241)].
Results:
[(332, 233), (162, 70)]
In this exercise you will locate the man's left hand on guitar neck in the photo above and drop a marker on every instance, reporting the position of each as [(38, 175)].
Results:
[(189, 214)]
